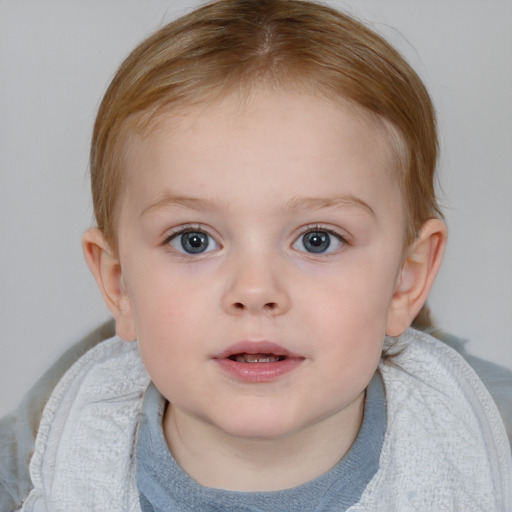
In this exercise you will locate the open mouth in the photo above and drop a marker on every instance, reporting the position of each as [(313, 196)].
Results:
[(257, 362), (256, 358)]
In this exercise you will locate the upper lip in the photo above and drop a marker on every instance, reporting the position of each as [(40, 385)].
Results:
[(256, 347)]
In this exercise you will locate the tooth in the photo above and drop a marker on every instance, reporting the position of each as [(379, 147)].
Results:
[(256, 358)]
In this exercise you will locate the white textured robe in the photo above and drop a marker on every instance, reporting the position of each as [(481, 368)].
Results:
[(445, 447)]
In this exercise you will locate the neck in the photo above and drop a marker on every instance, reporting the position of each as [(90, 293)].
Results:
[(216, 459)]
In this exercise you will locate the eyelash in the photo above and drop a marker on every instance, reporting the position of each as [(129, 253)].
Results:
[(193, 228), (181, 230), (312, 228), (188, 228), (319, 227)]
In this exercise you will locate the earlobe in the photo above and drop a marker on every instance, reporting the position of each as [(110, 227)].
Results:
[(419, 269), (106, 269)]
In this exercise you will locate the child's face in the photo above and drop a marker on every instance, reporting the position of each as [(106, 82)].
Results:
[(270, 231)]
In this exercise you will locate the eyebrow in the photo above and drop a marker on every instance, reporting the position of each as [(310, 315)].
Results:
[(170, 200), (299, 204), (294, 205)]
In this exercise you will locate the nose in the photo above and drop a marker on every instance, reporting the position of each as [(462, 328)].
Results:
[(256, 286)]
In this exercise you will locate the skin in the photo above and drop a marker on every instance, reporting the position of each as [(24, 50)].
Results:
[(253, 177)]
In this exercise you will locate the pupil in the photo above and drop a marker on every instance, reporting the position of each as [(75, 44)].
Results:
[(316, 241), (194, 242)]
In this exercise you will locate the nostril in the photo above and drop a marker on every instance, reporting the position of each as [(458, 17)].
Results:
[(255, 307), (268, 306)]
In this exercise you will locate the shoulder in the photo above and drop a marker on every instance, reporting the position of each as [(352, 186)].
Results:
[(437, 404), (497, 379), (88, 429), (19, 429)]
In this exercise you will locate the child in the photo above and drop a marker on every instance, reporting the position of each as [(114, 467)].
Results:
[(262, 176)]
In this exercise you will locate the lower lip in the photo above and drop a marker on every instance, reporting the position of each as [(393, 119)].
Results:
[(258, 372)]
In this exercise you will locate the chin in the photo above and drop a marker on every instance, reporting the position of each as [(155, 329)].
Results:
[(259, 428)]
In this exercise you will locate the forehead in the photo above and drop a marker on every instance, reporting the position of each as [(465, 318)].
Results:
[(290, 141)]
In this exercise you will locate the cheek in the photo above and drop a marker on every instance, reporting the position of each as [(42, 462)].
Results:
[(350, 314), (159, 294), (168, 349), (359, 295), (168, 311)]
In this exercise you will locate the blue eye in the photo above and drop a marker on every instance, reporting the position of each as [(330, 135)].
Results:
[(193, 242), (318, 241)]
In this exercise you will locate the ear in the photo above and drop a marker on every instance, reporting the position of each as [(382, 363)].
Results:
[(106, 269), (421, 263)]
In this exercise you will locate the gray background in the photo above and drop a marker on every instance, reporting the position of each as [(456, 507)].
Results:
[(56, 59)]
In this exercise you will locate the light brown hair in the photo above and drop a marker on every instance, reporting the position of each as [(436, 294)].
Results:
[(239, 44)]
